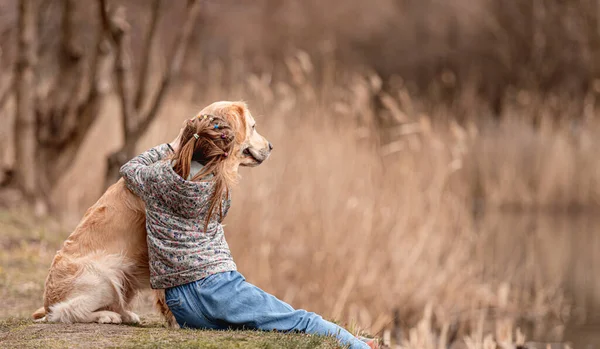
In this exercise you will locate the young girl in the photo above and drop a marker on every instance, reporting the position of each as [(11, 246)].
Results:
[(185, 186)]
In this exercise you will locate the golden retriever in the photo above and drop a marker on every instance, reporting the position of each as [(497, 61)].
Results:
[(104, 263)]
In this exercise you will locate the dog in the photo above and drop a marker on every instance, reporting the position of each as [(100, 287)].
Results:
[(103, 264)]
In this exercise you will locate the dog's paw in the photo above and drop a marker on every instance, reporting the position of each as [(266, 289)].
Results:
[(41, 320), (172, 323), (108, 317), (130, 318)]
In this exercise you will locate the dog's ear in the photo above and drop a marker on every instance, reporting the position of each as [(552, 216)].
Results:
[(237, 113), (239, 108)]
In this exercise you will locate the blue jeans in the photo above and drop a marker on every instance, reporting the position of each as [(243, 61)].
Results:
[(226, 301)]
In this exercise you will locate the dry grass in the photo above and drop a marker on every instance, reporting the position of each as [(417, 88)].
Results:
[(150, 334), (354, 221), (376, 202)]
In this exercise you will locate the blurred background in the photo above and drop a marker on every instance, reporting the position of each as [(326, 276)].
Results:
[(435, 177)]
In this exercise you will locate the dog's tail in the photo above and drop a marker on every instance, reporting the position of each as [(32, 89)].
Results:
[(39, 314)]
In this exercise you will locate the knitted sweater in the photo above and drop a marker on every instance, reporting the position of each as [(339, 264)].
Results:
[(179, 249)]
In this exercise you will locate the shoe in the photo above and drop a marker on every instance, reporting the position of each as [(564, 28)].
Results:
[(371, 342)]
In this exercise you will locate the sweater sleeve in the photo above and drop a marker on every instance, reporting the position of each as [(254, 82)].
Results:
[(137, 172)]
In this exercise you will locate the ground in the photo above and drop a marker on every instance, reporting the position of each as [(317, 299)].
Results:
[(21, 333), (27, 246)]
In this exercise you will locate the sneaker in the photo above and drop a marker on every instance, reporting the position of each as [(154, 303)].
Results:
[(371, 342)]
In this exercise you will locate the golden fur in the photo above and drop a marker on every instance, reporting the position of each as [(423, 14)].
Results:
[(104, 262)]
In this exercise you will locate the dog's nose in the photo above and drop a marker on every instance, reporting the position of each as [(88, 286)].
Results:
[(270, 146)]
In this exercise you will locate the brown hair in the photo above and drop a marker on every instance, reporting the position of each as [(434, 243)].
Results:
[(209, 140)]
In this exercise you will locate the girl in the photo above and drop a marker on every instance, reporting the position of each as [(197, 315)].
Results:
[(185, 186)]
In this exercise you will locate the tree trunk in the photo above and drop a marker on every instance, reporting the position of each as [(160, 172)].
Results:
[(138, 113), (49, 130), (25, 169), (118, 159), (66, 115)]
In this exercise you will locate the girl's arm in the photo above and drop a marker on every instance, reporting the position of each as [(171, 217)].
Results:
[(137, 172)]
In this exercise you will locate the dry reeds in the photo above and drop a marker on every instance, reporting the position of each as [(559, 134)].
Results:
[(354, 220)]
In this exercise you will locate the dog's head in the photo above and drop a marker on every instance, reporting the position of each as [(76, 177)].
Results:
[(250, 148)]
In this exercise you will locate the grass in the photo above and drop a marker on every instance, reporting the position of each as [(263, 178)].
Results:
[(28, 247), (19, 333)]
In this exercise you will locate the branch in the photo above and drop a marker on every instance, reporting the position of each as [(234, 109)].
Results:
[(119, 29), (103, 14), (6, 89), (142, 88), (6, 177), (6, 92), (72, 118), (69, 49), (88, 109), (101, 51), (175, 62), (72, 78)]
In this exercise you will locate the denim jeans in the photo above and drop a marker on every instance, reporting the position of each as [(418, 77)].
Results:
[(226, 301)]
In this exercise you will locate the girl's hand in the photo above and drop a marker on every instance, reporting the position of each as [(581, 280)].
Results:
[(175, 143)]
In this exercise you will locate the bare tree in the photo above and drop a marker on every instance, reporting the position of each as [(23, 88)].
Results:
[(138, 106), (67, 112), (50, 127)]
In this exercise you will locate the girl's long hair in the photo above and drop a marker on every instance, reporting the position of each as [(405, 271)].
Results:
[(209, 140)]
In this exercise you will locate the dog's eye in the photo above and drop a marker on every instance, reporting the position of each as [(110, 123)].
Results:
[(253, 127)]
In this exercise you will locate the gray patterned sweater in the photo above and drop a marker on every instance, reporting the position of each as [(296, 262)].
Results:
[(180, 250)]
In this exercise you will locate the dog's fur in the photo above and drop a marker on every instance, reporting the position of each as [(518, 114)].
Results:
[(104, 262)]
